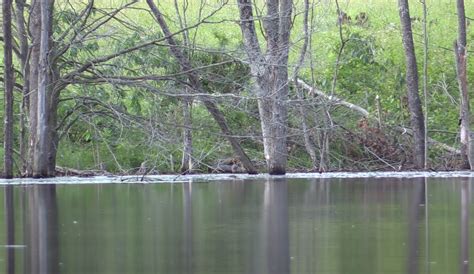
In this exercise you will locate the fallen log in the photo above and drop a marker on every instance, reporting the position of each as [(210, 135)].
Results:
[(65, 171)]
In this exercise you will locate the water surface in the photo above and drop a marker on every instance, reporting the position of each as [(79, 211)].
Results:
[(260, 225)]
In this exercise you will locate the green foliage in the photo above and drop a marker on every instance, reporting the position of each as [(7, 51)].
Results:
[(133, 124)]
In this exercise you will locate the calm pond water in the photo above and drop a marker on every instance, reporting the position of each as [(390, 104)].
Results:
[(346, 226)]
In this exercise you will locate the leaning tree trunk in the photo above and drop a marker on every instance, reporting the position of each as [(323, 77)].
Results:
[(271, 73), (195, 83), (414, 103), (461, 69), (8, 91)]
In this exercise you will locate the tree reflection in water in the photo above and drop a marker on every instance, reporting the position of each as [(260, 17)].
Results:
[(187, 228), (415, 212), (41, 230), (465, 202), (275, 226), (10, 226)]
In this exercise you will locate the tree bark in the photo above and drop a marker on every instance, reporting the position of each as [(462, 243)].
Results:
[(25, 69), (308, 143), (414, 103), (8, 91), (425, 77), (44, 148), (197, 86), (35, 32), (40, 166), (461, 70), (271, 73), (187, 163), (187, 160)]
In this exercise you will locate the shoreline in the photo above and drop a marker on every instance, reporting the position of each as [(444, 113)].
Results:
[(199, 178)]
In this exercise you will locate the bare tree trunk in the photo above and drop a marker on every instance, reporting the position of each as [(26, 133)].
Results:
[(187, 157), (187, 161), (197, 86), (308, 143), (271, 72), (35, 30), (25, 69), (414, 103), (8, 91), (45, 147), (324, 141), (425, 77), (53, 138), (461, 69), (40, 166)]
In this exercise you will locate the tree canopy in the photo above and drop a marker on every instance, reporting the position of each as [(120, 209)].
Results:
[(236, 86)]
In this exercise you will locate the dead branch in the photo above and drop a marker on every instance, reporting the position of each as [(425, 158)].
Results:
[(337, 101)]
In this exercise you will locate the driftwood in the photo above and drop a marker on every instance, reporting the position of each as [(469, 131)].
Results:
[(364, 113), (65, 171)]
